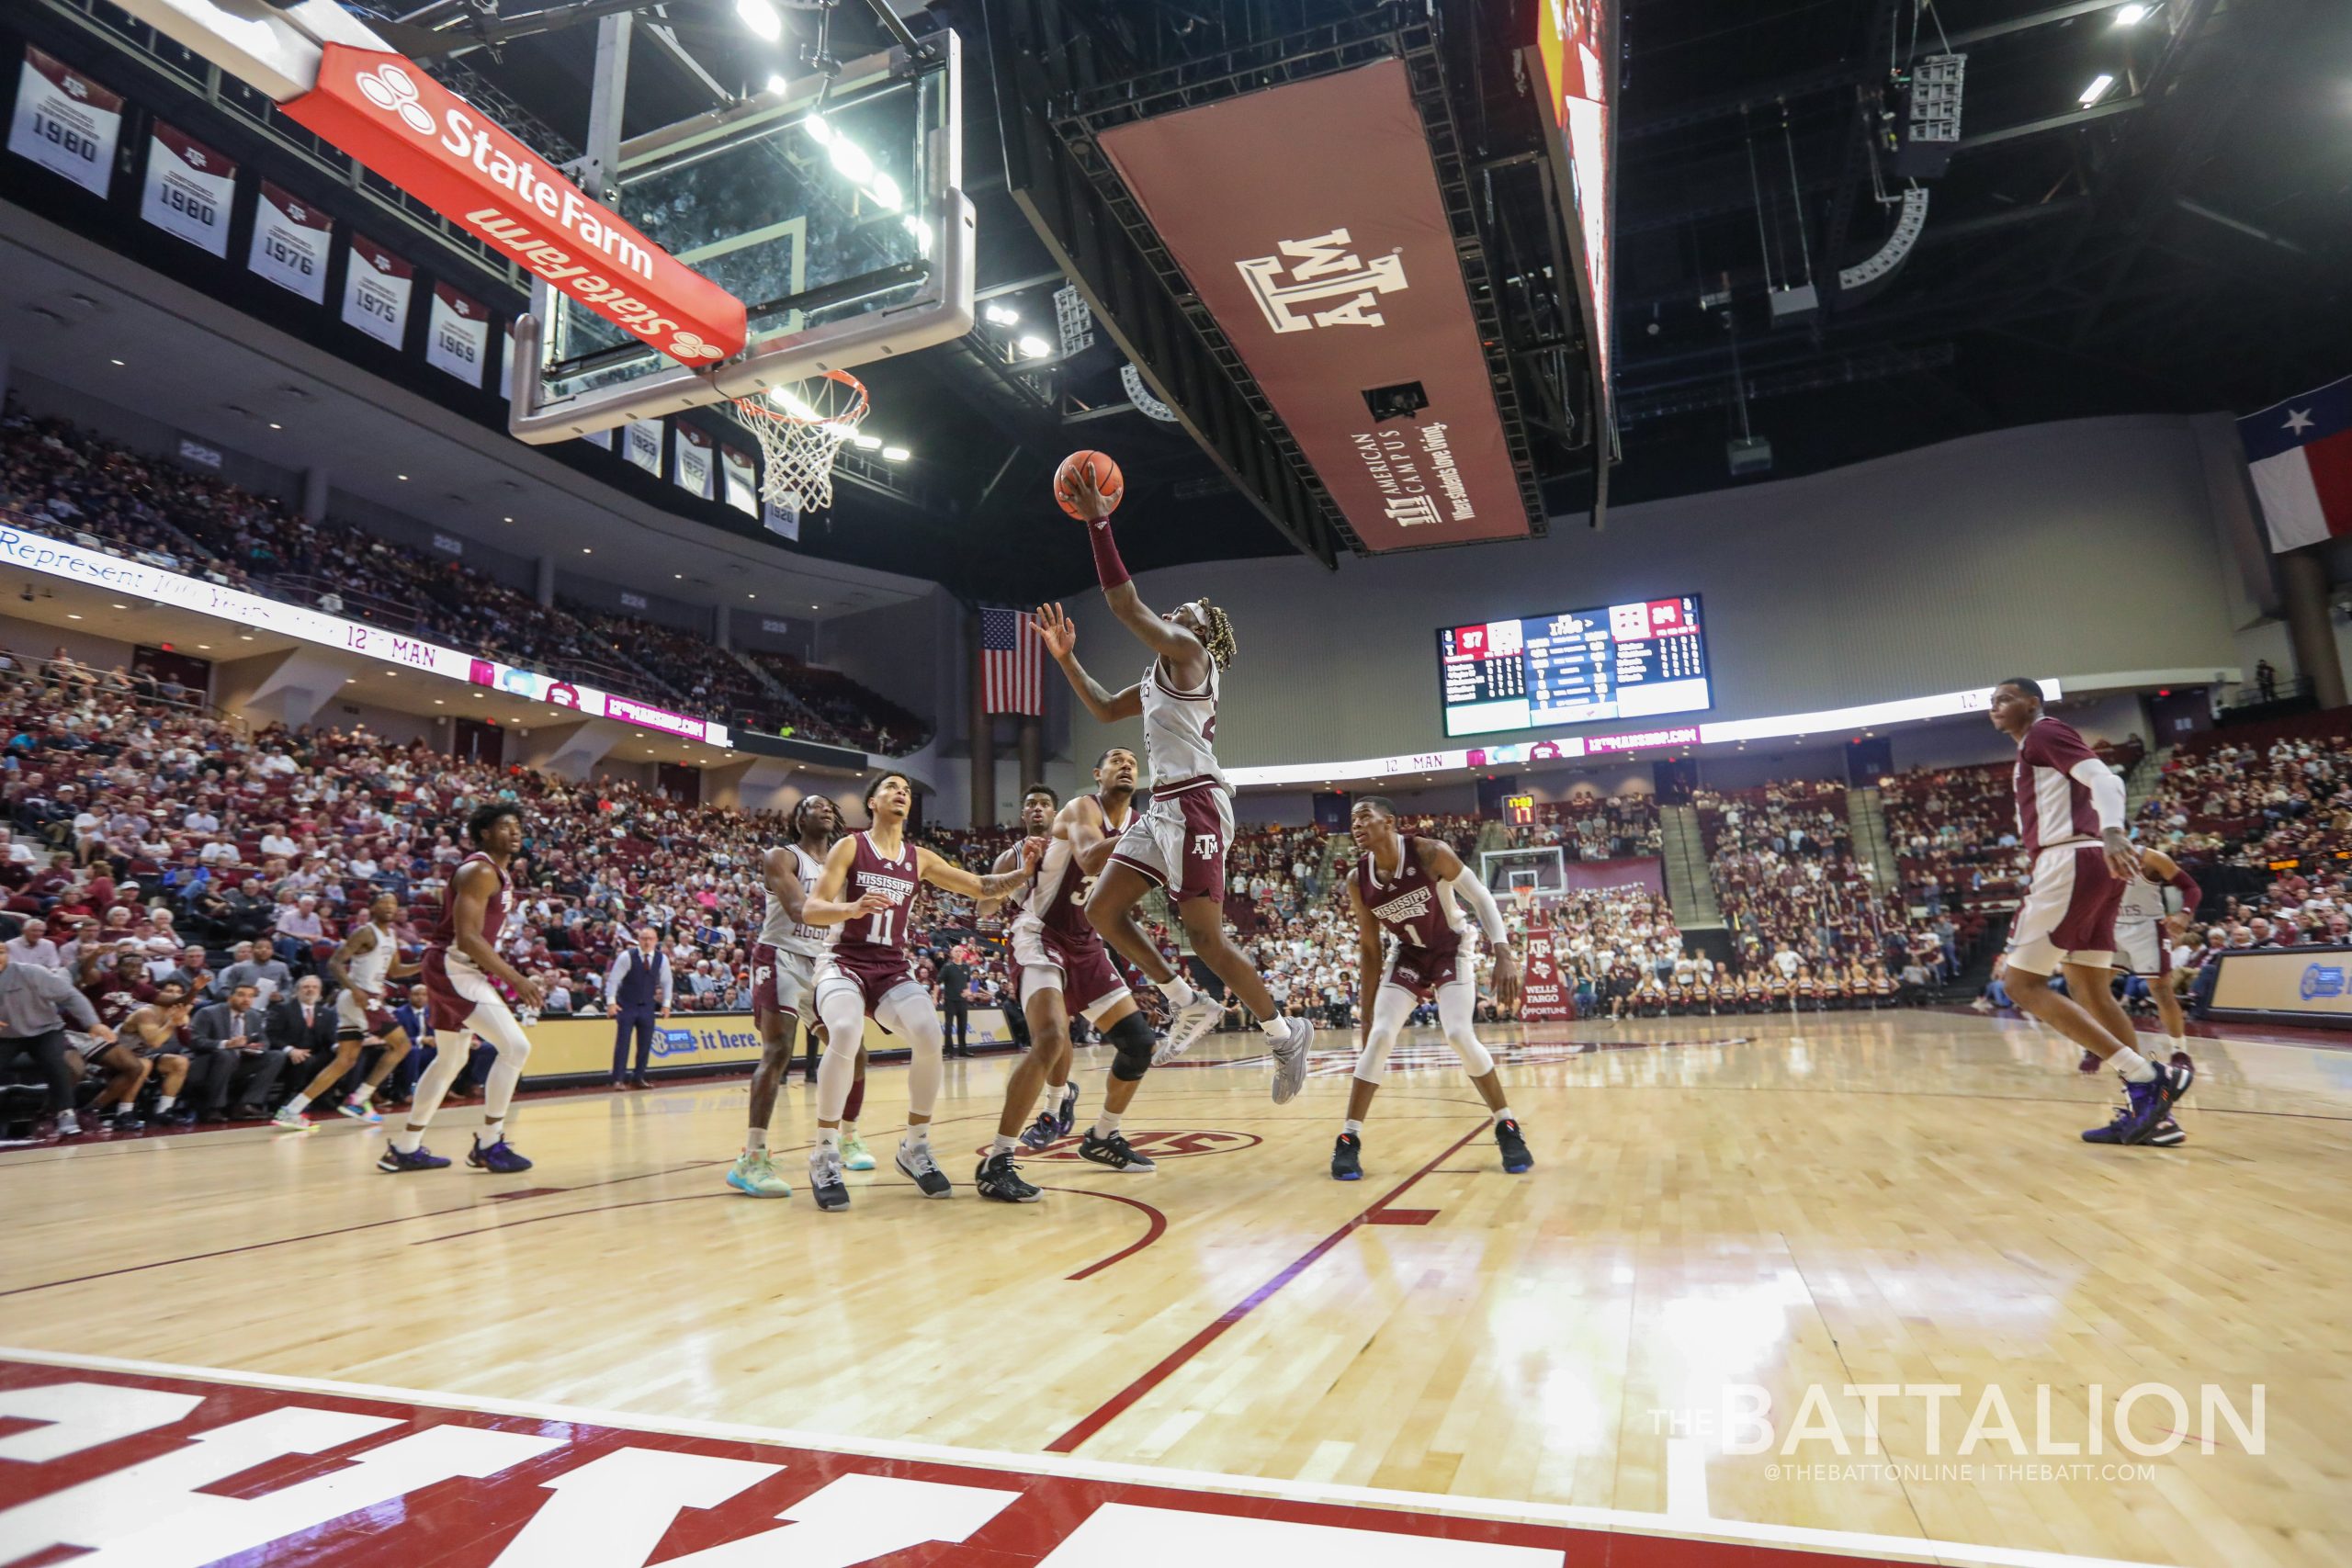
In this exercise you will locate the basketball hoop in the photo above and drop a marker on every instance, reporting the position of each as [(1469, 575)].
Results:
[(800, 429)]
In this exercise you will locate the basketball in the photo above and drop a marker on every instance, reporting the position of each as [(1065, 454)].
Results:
[(1107, 479)]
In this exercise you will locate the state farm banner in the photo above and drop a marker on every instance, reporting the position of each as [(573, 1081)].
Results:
[(188, 189), (376, 288), (642, 443), (1332, 270), (743, 480), (457, 336), (66, 122), (290, 245), (389, 114), (691, 461), (1548, 993)]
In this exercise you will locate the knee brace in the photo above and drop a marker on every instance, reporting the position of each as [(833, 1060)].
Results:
[(1131, 1040)]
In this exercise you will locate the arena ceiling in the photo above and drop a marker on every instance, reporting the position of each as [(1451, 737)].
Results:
[(2180, 244)]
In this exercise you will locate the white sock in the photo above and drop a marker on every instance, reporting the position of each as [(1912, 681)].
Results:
[(919, 1133), (1179, 991), (1353, 1128), (755, 1141), (1106, 1124), (2134, 1067), (163, 1103), (296, 1106), (829, 1139), (491, 1131), (1003, 1146), (849, 1130), (1504, 1115), (1276, 1027), (1068, 1092), (367, 1093)]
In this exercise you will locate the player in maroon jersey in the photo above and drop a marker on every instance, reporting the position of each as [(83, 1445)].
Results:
[(1404, 886), (867, 896), (462, 972), (2070, 817)]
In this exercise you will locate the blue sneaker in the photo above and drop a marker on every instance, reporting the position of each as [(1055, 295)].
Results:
[(393, 1162), (1516, 1159), (498, 1158), (1042, 1131), (2147, 1106), (1347, 1158), (1067, 1117)]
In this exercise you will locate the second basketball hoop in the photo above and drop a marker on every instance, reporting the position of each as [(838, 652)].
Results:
[(801, 430)]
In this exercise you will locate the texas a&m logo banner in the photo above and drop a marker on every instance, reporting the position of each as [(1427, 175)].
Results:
[(188, 189)]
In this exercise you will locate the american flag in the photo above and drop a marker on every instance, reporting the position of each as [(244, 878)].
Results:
[(1012, 662)]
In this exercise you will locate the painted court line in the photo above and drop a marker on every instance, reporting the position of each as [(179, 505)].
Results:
[(1958, 1554)]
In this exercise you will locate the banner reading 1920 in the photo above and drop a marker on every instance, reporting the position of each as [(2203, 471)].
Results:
[(188, 189), (66, 122)]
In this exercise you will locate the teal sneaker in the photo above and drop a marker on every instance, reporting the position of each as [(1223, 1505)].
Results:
[(755, 1176), (856, 1156)]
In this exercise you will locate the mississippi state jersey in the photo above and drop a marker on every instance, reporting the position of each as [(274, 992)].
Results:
[(2142, 901), (870, 871), (779, 929), (2054, 806), (493, 914), (1412, 906), (1179, 729), (1055, 899)]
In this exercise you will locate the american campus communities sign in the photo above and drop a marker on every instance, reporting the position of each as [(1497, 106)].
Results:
[(30, 551)]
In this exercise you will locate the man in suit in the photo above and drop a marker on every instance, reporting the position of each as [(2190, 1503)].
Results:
[(637, 989), (303, 1026), (231, 1059)]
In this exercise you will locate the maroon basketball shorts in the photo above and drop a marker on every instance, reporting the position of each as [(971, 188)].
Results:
[(1425, 971), (2068, 916), (1179, 842), (873, 975), (455, 991), (1082, 972)]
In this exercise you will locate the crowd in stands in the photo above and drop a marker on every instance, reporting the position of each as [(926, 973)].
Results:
[(1588, 828), (103, 496)]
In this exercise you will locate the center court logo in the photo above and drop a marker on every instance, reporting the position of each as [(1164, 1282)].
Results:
[(1321, 272), (1186, 1144), (389, 89), (2323, 980)]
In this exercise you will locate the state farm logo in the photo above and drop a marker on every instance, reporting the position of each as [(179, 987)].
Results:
[(1185, 1144), (389, 89), (689, 346), (1322, 283)]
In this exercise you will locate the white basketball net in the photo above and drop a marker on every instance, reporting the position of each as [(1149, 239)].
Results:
[(801, 430)]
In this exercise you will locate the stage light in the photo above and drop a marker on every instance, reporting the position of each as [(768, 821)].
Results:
[(1002, 315), (2098, 89), (777, 84), (760, 17), (897, 454), (2131, 15), (1035, 347), (851, 160), (866, 443), (818, 131), (884, 190)]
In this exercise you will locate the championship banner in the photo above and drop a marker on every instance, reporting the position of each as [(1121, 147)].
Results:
[(642, 443), (1548, 994), (742, 478), (1332, 271), (393, 116), (66, 122), (290, 244), (782, 521), (596, 437), (188, 189), (691, 462), (376, 289), (457, 338)]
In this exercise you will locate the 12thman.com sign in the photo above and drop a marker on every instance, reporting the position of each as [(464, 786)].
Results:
[(388, 113)]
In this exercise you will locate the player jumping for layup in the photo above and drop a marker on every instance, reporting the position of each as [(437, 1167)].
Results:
[(459, 966), (2070, 814), (867, 896), (1179, 842), (1403, 885)]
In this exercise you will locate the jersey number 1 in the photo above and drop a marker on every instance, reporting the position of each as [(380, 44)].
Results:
[(878, 928)]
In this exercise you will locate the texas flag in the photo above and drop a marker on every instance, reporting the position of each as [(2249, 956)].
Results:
[(2300, 452)]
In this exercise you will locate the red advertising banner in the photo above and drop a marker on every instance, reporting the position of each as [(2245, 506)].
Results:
[(1332, 270), (1549, 995), (387, 112)]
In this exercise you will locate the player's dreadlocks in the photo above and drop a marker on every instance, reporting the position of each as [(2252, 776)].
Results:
[(1219, 639)]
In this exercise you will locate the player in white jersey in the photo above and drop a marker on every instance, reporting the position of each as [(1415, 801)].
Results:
[(1179, 842), (2145, 925), (784, 957), (368, 957)]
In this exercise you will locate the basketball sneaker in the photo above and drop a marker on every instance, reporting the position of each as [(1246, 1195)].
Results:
[(1042, 1131), (393, 1162), (1067, 1117), (289, 1119), (498, 1157), (756, 1176), (1115, 1153), (2167, 1135), (856, 1156), (1192, 1024), (1347, 1158), (915, 1163), (364, 1114), (825, 1183), (1290, 1058), (998, 1178), (1516, 1159), (2147, 1106)]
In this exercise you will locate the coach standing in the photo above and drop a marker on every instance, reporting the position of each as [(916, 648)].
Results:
[(955, 1002), (635, 986), (34, 1004)]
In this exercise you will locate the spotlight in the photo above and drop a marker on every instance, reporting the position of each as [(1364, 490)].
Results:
[(760, 17), (1034, 347), (2131, 15), (897, 454), (1002, 315), (2098, 89)]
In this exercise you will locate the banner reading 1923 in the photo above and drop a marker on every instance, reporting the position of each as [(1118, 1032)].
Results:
[(66, 122)]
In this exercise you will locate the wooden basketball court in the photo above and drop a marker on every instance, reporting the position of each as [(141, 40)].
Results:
[(1845, 1214)]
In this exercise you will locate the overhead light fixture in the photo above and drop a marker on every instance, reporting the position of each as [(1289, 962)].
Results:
[(866, 443), (2098, 89), (760, 17), (820, 132), (71, 616), (1002, 315), (1035, 347), (884, 189), (897, 454), (776, 84), (115, 362), (507, 520), (275, 425), (403, 478), (586, 551), (2131, 15), (851, 160)]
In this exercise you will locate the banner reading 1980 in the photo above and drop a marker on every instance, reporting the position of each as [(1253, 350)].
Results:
[(188, 188), (66, 122)]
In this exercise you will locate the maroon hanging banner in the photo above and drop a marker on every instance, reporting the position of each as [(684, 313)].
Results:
[(1332, 269)]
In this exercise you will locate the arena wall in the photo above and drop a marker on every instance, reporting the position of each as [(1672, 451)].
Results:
[(2081, 547)]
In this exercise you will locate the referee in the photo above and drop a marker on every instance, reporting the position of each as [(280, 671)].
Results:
[(34, 1004)]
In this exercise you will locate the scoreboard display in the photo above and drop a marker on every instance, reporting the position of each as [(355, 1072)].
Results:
[(1578, 667)]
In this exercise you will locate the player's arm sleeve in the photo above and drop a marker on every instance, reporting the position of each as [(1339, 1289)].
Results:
[(2191, 894), (2106, 787), (1467, 887)]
